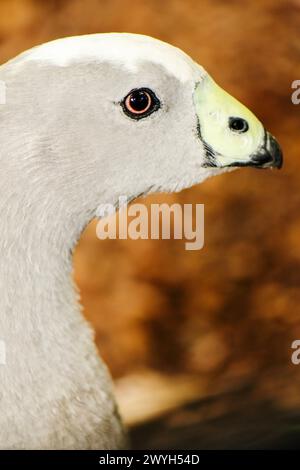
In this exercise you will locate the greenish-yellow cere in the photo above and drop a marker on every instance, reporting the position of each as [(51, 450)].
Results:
[(214, 107)]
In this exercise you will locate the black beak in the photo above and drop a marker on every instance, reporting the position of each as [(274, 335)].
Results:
[(269, 155)]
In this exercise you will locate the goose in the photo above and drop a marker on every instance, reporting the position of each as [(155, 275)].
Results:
[(85, 120)]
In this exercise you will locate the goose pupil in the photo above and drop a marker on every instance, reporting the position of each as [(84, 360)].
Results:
[(139, 100)]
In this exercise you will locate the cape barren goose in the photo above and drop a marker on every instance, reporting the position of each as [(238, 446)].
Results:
[(88, 119)]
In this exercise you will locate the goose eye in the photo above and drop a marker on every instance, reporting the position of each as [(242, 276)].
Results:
[(238, 125), (140, 103)]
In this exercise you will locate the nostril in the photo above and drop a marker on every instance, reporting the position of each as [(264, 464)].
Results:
[(238, 124)]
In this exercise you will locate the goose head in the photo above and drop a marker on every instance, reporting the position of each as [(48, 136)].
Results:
[(123, 114)]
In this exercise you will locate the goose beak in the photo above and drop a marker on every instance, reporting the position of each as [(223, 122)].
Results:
[(232, 136)]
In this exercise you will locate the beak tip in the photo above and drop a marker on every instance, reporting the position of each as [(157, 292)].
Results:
[(275, 152), (270, 156)]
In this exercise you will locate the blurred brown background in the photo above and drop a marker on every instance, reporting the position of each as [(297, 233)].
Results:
[(200, 342)]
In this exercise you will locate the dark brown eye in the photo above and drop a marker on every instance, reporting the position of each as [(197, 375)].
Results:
[(140, 103)]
